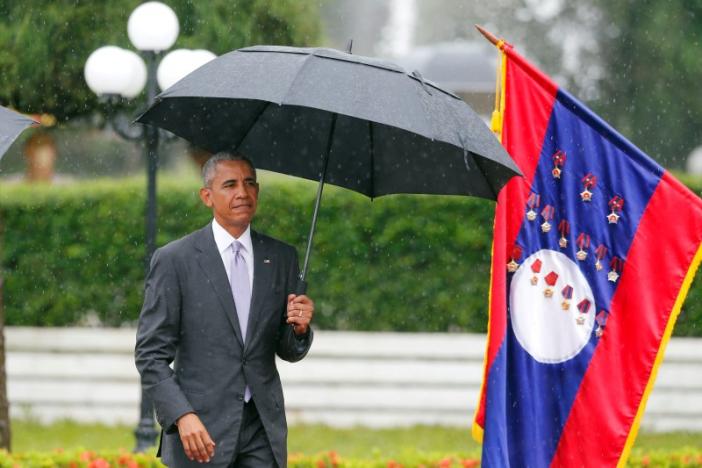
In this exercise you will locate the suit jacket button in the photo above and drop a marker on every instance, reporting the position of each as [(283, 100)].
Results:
[(241, 397)]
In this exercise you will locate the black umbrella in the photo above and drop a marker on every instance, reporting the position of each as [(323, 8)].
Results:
[(11, 125), (352, 121)]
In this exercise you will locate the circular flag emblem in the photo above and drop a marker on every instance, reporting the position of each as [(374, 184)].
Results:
[(552, 307)]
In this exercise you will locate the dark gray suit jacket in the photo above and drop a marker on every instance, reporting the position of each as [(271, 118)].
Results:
[(189, 319)]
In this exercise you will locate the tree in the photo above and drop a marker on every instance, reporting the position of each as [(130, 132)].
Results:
[(556, 35), (653, 67), (45, 43), (636, 63)]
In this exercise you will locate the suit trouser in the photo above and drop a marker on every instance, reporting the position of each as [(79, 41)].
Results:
[(253, 449)]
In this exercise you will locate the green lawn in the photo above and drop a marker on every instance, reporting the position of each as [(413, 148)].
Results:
[(30, 436), (389, 443), (355, 443)]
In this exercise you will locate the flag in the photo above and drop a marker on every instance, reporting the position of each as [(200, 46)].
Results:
[(593, 254)]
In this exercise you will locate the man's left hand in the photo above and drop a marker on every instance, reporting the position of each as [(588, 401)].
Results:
[(300, 312)]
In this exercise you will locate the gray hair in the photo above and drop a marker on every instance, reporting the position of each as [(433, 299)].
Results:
[(208, 169)]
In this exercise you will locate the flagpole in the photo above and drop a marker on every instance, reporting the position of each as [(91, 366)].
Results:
[(487, 34)]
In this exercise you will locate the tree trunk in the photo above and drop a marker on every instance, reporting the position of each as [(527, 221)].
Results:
[(4, 405), (40, 152), (198, 155)]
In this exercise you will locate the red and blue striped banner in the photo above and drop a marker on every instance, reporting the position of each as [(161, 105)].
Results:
[(574, 345)]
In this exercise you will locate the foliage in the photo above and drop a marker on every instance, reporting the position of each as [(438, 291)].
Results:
[(559, 37), (45, 43), (687, 457), (78, 459), (402, 263), (225, 25), (332, 459), (653, 67), (71, 250), (636, 62), (317, 446)]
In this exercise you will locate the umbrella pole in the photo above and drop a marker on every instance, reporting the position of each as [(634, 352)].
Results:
[(302, 284)]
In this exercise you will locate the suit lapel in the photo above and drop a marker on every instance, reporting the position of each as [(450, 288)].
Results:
[(263, 269), (210, 262)]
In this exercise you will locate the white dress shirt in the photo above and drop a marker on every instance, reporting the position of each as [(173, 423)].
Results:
[(224, 242)]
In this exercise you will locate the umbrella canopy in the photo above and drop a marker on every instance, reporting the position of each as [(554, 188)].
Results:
[(393, 132), (352, 121), (11, 125)]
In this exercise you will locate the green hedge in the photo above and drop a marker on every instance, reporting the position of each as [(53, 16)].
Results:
[(404, 263)]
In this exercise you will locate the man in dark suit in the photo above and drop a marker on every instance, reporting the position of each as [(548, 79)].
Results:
[(219, 305)]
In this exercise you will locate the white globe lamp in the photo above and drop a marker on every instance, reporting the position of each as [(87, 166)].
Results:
[(108, 70), (153, 26), (201, 57), (138, 75), (179, 63), (173, 67)]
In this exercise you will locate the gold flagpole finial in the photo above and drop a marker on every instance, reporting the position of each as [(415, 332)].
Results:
[(497, 114), (487, 34)]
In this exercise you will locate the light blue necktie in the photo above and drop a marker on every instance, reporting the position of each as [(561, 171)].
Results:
[(241, 290)]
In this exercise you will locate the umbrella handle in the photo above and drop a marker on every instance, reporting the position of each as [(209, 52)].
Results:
[(300, 287)]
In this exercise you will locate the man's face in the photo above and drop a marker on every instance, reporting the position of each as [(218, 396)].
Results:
[(232, 195)]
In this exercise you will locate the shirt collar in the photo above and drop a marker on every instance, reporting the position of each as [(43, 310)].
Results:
[(224, 240)]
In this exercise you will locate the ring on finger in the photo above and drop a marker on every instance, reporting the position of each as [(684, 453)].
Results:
[(300, 314)]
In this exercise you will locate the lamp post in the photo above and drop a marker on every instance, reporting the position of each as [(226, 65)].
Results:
[(114, 74)]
